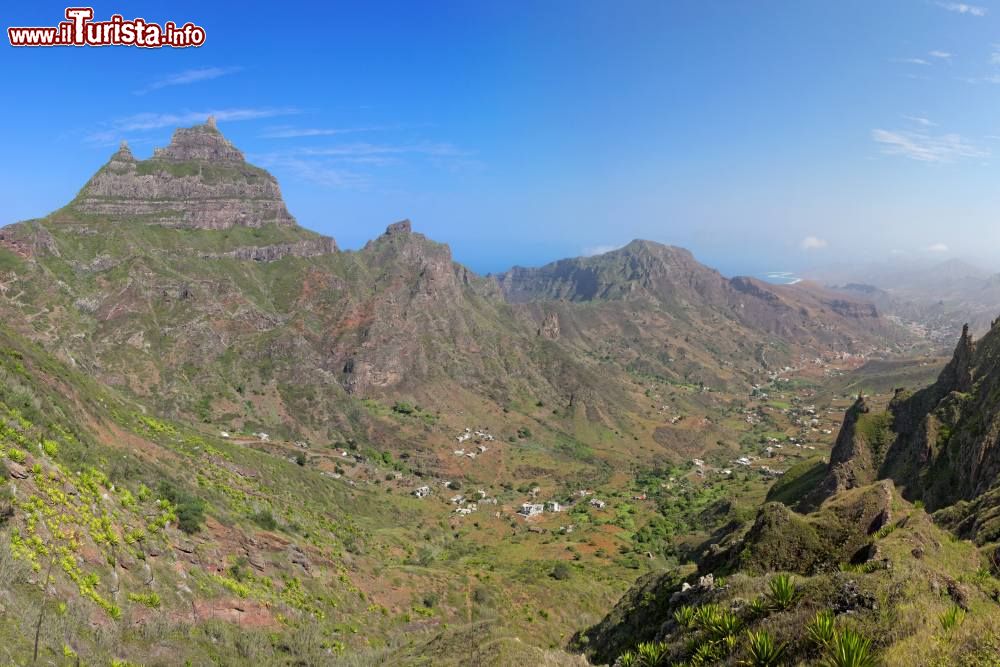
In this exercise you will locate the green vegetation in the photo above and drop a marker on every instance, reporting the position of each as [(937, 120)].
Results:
[(822, 629), (189, 509), (797, 481), (849, 649), (952, 618), (762, 650), (782, 592)]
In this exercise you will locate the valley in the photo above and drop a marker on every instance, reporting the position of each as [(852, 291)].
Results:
[(226, 440)]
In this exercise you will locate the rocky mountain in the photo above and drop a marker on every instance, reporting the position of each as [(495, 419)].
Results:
[(199, 181), (938, 444), (167, 265), (656, 309), (904, 515)]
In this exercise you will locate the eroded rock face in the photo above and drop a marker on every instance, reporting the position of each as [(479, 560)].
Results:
[(272, 253), (199, 181)]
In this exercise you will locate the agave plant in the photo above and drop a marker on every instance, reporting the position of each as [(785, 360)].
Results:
[(952, 618), (762, 651), (685, 616), (850, 649), (706, 654), (627, 659), (757, 607), (724, 624), (707, 615), (822, 630), (651, 654), (783, 592), (730, 643)]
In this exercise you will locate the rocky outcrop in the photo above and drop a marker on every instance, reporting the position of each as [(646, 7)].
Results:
[(27, 239), (852, 461), (199, 181), (401, 227), (201, 142), (958, 374)]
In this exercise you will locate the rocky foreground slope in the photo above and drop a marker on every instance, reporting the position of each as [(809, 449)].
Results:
[(894, 544)]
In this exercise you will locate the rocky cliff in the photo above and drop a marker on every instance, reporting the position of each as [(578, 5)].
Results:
[(199, 181), (940, 445)]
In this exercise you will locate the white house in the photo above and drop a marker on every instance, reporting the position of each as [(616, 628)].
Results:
[(553, 506), (422, 491), (599, 504), (531, 509)]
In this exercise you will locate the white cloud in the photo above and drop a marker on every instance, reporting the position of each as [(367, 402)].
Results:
[(911, 61), (942, 55), (366, 149), (925, 148), (937, 247), (992, 78), (143, 122), (188, 77), (314, 171), (590, 251), (920, 120), (295, 132), (962, 8), (813, 243)]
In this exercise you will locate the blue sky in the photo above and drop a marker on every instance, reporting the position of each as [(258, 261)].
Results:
[(761, 135)]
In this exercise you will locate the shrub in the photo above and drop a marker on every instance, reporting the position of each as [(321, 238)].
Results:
[(850, 649), (783, 592), (265, 520), (190, 510), (300, 459), (561, 572), (16, 455), (190, 515), (762, 651)]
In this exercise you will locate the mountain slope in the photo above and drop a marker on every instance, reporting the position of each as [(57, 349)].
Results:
[(919, 587), (671, 280)]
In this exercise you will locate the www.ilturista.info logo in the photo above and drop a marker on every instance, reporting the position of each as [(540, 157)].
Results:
[(81, 30)]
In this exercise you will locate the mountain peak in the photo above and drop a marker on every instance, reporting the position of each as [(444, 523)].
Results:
[(401, 227), (124, 153), (200, 142), (200, 180)]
